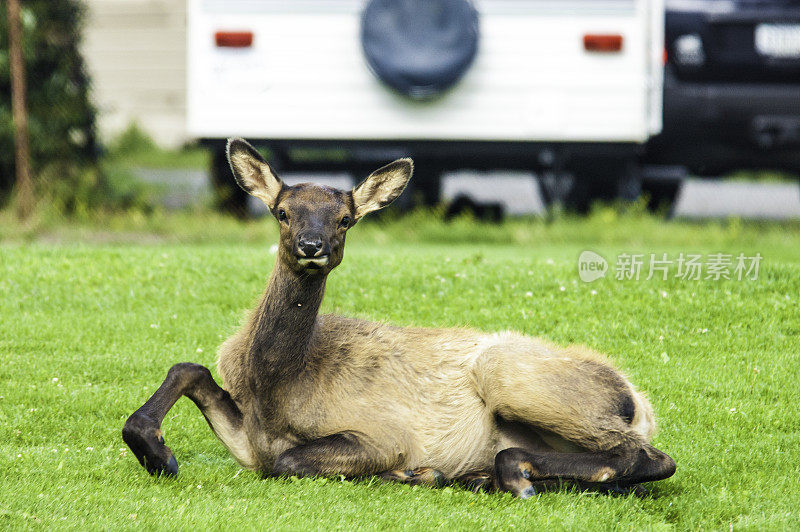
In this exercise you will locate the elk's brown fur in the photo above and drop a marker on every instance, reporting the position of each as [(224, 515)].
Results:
[(310, 394)]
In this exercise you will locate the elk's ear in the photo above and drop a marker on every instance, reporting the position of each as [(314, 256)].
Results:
[(382, 187), (252, 172)]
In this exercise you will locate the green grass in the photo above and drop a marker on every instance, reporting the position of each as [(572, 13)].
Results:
[(88, 331), (135, 148)]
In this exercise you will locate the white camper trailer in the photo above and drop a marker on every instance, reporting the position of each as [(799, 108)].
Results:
[(565, 84)]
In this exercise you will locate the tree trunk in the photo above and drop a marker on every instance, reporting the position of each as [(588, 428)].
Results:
[(21, 154)]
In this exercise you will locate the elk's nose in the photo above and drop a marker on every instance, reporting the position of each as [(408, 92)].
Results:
[(309, 246)]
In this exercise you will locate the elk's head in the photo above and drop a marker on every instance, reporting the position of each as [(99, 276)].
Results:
[(314, 219)]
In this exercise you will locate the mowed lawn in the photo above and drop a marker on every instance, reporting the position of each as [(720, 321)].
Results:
[(87, 333)]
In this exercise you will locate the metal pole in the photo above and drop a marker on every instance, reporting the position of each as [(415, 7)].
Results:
[(19, 113)]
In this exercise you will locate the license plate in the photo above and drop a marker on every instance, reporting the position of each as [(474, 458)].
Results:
[(778, 40)]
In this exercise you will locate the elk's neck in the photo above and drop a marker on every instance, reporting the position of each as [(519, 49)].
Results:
[(286, 321)]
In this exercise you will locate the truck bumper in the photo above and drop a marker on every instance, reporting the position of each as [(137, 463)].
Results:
[(328, 155), (719, 127)]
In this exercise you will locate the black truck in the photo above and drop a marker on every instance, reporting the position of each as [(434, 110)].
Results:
[(731, 88)]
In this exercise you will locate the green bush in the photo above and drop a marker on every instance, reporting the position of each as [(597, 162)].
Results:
[(61, 117)]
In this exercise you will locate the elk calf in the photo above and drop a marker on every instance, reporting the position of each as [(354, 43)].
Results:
[(310, 394)]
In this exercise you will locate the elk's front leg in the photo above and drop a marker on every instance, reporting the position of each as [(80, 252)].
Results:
[(142, 430), (343, 453)]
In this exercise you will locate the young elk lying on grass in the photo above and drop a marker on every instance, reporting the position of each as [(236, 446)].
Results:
[(307, 394)]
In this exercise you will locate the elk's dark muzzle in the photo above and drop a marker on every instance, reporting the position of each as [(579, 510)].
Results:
[(311, 246), (312, 251)]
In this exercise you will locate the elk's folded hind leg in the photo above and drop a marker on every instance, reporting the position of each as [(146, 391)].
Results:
[(521, 472), (142, 430)]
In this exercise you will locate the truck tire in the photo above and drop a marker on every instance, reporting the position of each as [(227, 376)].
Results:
[(661, 195), (228, 197), (426, 185), (603, 180)]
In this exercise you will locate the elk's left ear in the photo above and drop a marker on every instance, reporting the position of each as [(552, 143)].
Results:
[(382, 187), (252, 172)]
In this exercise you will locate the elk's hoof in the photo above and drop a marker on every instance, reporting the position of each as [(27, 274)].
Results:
[(424, 476), (427, 476), (475, 482), (145, 440), (516, 473), (172, 466)]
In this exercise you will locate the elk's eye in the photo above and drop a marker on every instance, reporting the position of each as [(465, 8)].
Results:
[(345, 221), (282, 215)]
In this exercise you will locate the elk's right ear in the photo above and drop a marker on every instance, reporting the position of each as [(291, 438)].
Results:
[(252, 172)]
